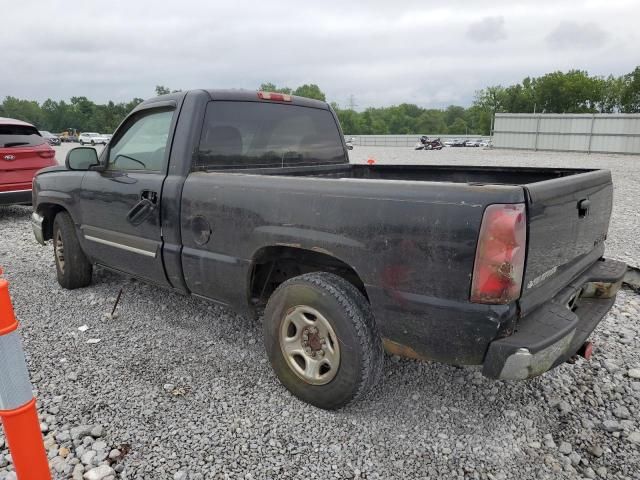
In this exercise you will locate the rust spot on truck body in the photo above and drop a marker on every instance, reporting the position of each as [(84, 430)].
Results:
[(395, 348)]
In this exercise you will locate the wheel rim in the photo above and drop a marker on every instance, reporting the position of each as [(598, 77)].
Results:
[(59, 251), (310, 345)]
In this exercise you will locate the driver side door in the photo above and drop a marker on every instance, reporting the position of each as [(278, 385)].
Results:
[(120, 205)]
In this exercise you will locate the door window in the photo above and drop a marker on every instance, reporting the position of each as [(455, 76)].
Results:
[(143, 145)]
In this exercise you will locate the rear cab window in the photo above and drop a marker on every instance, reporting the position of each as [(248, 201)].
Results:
[(243, 134), (19, 136)]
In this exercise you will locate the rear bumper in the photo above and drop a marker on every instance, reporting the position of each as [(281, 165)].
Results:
[(16, 197), (555, 331)]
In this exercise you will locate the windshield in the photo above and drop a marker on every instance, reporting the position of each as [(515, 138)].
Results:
[(19, 136)]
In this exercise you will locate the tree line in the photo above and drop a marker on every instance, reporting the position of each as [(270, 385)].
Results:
[(574, 91)]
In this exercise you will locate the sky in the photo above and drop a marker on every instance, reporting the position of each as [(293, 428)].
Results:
[(425, 52)]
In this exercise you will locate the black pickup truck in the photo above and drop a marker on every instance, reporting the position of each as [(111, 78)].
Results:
[(248, 199)]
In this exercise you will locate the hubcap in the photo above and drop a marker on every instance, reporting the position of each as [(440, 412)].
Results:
[(59, 251), (309, 345)]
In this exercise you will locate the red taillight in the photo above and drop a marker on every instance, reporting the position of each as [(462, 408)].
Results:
[(499, 265), (276, 97), (47, 153)]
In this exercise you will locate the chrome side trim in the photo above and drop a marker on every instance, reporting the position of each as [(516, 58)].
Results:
[(128, 248), (17, 191)]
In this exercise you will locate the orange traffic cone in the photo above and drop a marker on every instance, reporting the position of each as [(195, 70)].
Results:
[(17, 405)]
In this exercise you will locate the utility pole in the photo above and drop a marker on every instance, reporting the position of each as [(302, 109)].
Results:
[(352, 102)]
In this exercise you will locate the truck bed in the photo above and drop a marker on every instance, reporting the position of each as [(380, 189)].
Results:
[(473, 175), (563, 241)]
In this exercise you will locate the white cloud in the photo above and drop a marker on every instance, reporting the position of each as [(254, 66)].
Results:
[(574, 35), (489, 29), (381, 52)]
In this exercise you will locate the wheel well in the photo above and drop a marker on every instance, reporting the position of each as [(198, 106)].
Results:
[(275, 265), (49, 212)]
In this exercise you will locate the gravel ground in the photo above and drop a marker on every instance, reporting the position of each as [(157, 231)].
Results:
[(177, 388)]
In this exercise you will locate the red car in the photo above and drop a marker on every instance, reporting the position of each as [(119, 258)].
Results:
[(23, 151)]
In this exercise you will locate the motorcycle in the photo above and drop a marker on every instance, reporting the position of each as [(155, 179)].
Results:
[(426, 144)]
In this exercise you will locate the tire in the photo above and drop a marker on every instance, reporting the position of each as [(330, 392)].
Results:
[(73, 268), (93, 144), (353, 335), (81, 143)]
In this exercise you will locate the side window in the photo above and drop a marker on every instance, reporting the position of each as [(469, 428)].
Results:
[(143, 144)]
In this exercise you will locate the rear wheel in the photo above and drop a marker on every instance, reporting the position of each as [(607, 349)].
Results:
[(72, 266), (93, 144), (322, 341)]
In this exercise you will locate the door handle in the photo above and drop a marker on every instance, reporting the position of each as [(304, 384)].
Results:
[(140, 211), (150, 195)]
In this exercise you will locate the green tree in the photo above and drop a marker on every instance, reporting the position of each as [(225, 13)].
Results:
[(571, 92), (612, 94), (25, 110), (162, 90), (458, 127), (271, 87), (310, 91), (630, 92), (431, 122)]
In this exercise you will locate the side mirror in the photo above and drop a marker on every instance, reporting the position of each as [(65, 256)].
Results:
[(349, 146), (82, 158)]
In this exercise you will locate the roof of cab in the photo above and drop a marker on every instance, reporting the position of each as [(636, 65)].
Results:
[(240, 96), (13, 121), (252, 96)]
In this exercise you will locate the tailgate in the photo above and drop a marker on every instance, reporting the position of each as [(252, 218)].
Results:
[(568, 223)]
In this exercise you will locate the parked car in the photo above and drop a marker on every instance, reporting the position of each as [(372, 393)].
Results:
[(249, 200), (92, 138), (473, 143), (23, 151), (50, 137), (457, 142)]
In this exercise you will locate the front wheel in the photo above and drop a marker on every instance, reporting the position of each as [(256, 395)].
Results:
[(93, 144), (322, 340), (73, 268)]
